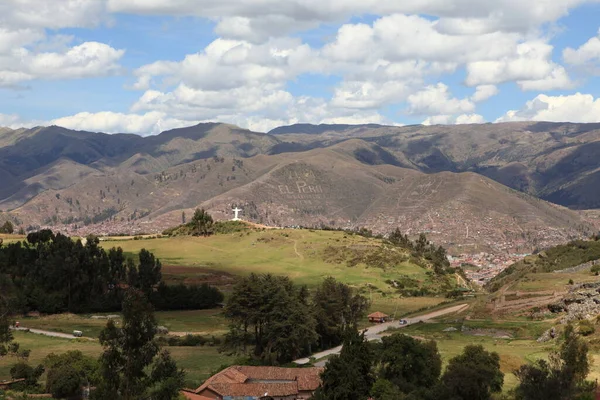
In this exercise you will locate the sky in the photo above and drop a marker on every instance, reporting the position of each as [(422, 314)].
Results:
[(144, 66)]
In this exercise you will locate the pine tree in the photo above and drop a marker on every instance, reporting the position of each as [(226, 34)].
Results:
[(129, 352), (348, 376)]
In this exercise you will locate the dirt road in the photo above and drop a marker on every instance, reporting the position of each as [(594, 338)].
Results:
[(49, 333), (373, 332)]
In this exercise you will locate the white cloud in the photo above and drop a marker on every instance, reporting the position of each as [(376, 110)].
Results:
[(111, 122), (43, 14), (28, 50), (586, 56), (484, 92), (14, 121), (437, 100), (572, 108), (89, 59), (454, 120), (260, 19), (469, 119), (530, 65)]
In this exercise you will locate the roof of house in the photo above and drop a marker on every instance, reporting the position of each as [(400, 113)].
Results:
[(378, 314), (255, 389), (242, 380)]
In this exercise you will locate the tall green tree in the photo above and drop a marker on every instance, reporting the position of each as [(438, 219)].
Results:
[(473, 375), (409, 363), (348, 376), (562, 376), (68, 373), (128, 355), (272, 315), (201, 223), (7, 228), (336, 307), (149, 271)]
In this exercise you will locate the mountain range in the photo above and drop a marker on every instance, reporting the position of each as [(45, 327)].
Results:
[(505, 187)]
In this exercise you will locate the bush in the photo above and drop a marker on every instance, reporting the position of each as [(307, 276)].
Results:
[(64, 382), (595, 269), (190, 341), (586, 328)]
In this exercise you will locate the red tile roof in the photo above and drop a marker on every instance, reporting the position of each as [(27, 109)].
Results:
[(255, 389), (241, 380), (378, 314)]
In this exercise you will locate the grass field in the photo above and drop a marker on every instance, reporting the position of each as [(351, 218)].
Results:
[(513, 352), (550, 281), (198, 362), (292, 252), (306, 256), (204, 322)]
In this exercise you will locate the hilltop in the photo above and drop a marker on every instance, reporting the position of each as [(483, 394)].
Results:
[(394, 279), (472, 188)]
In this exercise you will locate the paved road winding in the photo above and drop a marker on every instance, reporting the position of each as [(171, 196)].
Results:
[(374, 332)]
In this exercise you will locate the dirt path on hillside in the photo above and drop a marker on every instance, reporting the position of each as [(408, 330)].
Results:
[(296, 250)]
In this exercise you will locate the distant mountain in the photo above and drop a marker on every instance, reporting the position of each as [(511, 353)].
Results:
[(319, 129), (471, 186)]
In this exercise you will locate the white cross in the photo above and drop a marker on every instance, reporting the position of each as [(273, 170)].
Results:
[(236, 211)]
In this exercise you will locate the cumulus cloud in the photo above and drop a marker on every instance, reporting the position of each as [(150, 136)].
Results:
[(269, 18), (437, 100), (14, 121), (587, 55), (530, 64), (111, 122), (484, 92), (28, 51), (41, 14), (573, 108), (454, 120), (89, 59)]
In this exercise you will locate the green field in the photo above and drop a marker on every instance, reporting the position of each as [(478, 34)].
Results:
[(522, 349), (306, 256), (203, 322), (198, 362)]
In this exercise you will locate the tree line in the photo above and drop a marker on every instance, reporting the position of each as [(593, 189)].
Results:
[(52, 273), (274, 321), (131, 367), (406, 368)]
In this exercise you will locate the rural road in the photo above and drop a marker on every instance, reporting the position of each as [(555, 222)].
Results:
[(374, 332), (48, 333)]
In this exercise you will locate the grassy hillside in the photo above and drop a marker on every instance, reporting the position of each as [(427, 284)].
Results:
[(304, 255), (378, 270), (554, 259)]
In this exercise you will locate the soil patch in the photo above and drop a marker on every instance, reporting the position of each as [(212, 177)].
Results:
[(173, 274)]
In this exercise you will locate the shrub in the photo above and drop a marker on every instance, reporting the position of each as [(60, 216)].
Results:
[(586, 328)]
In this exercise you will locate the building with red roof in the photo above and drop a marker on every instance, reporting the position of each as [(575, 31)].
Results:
[(247, 382)]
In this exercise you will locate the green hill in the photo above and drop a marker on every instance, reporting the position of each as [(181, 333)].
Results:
[(557, 258), (376, 268)]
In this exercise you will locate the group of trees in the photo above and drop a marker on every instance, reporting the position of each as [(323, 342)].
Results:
[(7, 227), (53, 273), (275, 321), (201, 224), (131, 367), (402, 367), (422, 248), (563, 376)]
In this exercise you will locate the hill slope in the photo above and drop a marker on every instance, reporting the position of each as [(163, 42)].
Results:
[(419, 178)]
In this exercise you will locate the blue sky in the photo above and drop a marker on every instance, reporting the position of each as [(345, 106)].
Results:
[(144, 66)]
